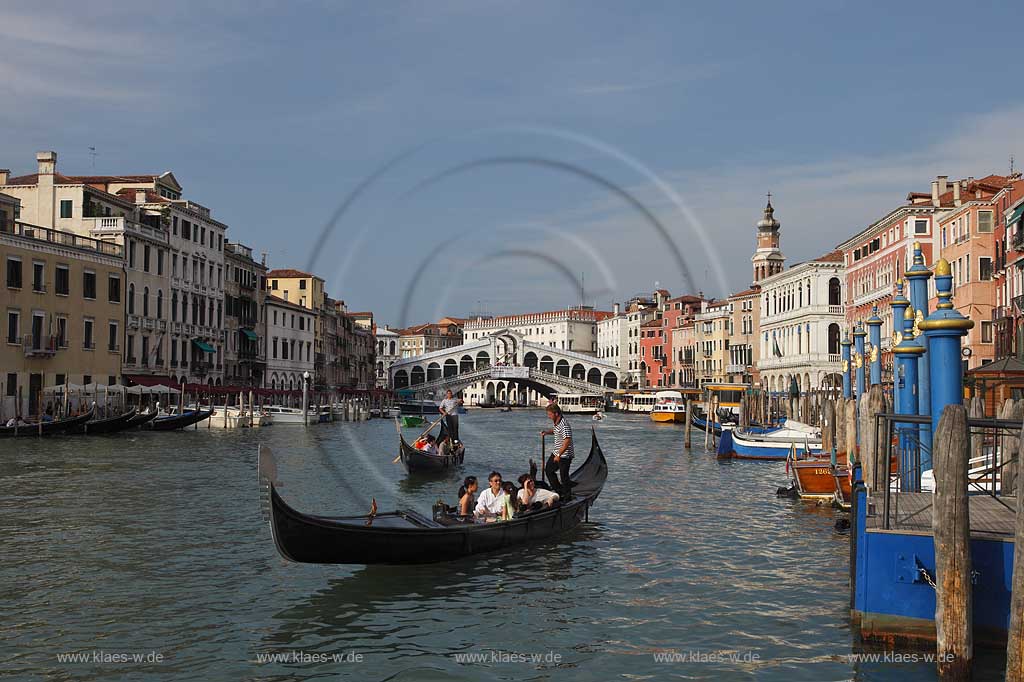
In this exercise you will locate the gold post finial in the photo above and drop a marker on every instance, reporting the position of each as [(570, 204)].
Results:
[(942, 268)]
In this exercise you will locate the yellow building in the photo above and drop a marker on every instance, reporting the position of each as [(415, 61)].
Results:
[(713, 329), (62, 304)]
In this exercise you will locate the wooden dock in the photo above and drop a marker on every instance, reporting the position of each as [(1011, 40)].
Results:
[(911, 513)]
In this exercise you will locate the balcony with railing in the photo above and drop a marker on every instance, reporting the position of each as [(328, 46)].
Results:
[(39, 345), (62, 238)]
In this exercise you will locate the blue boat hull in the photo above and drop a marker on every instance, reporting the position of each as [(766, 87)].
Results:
[(737, 448)]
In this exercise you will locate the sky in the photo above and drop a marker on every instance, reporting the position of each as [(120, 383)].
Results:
[(448, 157)]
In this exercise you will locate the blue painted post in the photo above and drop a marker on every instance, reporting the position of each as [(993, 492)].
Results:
[(944, 330), (917, 279), (906, 352), (858, 344), (845, 345), (899, 307), (875, 338)]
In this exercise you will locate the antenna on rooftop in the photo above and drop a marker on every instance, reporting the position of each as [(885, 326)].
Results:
[(1011, 164)]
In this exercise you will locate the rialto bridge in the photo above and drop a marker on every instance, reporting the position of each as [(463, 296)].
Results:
[(505, 367)]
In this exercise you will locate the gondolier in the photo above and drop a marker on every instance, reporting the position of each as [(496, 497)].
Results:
[(450, 409), (558, 464)]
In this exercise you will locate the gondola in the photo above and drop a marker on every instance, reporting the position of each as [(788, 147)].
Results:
[(47, 428), (417, 461), (178, 421), (108, 425), (407, 537), (141, 419)]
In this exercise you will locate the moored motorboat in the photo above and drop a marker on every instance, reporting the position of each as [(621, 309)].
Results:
[(669, 407), (800, 439), (46, 428), (407, 537)]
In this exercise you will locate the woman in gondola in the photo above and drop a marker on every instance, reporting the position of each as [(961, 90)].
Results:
[(466, 494)]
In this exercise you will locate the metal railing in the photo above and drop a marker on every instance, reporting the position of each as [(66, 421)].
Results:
[(902, 447)]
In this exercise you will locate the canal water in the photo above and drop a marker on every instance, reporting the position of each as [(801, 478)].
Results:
[(151, 545)]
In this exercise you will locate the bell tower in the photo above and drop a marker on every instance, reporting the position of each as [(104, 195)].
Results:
[(768, 259)]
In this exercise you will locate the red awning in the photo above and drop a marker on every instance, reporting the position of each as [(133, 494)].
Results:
[(150, 380)]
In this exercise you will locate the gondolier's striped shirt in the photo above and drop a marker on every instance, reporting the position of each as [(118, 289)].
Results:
[(562, 431)]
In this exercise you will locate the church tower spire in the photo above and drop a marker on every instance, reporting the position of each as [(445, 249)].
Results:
[(768, 258)]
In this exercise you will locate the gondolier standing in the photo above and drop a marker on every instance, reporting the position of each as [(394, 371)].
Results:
[(557, 466), (450, 409)]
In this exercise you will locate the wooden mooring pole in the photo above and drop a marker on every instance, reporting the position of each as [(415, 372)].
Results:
[(686, 427), (951, 528), (1015, 636)]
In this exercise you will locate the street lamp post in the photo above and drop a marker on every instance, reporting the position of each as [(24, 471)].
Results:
[(305, 398)]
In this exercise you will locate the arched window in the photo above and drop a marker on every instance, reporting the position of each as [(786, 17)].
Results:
[(835, 292), (833, 339)]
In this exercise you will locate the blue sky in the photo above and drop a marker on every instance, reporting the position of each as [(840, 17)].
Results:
[(514, 146)]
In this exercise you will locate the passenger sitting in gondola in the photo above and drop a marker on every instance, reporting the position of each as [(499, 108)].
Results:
[(511, 501), (427, 445), (466, 493), (491, 502), (532, 498)]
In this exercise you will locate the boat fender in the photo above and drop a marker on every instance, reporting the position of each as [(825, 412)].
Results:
[(789, 492)]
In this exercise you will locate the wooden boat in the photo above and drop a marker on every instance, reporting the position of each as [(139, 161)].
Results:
[(843, 487), (775, 445), (814, 477), (702, 424), (141, 419), (178, 421), (47, 428), (418, 461), (407, 537), (104, 426)]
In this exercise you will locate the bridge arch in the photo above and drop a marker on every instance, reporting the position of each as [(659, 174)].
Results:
[(594, 376), (465, 364), (433, 371), (451, 367), (401, 379), (562, 368), (578, 372), (483, 360), (417, 376), (547, 364), (530, 359), (610, 380)]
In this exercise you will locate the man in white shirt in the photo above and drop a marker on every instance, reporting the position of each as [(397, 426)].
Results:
[(491, 502), (557, 467), (449, 407), (531, 494)]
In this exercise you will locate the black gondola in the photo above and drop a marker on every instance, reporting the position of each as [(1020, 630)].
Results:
[(108, 425), (141, 419), (178, 421), (47, 428), (419, 462), (407, 537)]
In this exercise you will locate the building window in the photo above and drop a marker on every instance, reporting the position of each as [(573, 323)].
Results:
[(112, 336), (113, 289), (131, 253), (12, 384), (986, 330), (131, 298), (62, 333), (159, 261), (984, 221), (89, 285), (87, 340), (37, 277), (302, 284), (13, 317), (920, 227), (62, 280), (145, 257), (13, 272), (65, 208), (129, 347), (145, 302), (984, 268)]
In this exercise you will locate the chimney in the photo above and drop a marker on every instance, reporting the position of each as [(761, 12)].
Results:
[(615, 309), (5, 174), (956, 193), (935, 193), (943, 184), (47, 162), (140, 196)]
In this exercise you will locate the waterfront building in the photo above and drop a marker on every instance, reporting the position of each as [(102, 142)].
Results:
[(967, 240), (1008, 314), (574, 328), (291, 335), (656, 339), (432, 336), (63, 312), (387, 353), (245, 324), (611, 338), (639, 310), (744, 348), (713, 329), (801, 321), (684, 353), (307, 291)]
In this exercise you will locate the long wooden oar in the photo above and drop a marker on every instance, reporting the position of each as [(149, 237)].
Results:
[(396, 459)]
